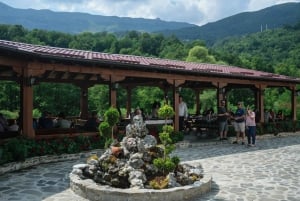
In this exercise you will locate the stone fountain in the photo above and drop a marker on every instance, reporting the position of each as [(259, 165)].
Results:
[(125, 171)]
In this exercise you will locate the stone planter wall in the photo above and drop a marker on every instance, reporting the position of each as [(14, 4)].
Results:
[(92, 191), (29, 162)]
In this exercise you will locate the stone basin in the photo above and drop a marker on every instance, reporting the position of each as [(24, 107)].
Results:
[(89, 189)]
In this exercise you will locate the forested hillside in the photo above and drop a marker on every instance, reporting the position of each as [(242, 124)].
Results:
[(271, 51), (241, 24)]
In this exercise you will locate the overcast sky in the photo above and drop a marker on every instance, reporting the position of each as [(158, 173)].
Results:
[(192, 11)]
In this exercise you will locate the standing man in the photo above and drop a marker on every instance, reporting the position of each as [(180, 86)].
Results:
[(239, 125), (223, 120), (183, 113)]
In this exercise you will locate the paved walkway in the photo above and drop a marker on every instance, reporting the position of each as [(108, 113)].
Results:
[(268, 172)]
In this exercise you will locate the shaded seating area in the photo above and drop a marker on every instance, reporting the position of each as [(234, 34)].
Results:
[(29, 65), (202, 127)]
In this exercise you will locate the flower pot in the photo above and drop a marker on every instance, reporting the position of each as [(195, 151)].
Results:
[(116, 150)]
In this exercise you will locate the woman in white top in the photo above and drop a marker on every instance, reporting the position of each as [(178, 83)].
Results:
[(251, 127), (183, 113)]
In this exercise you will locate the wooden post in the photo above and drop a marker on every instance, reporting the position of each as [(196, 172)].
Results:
[(176, 92), (294, 103), (113, 95), (197, 94), (128, 105), (27, 104), (261, 102)]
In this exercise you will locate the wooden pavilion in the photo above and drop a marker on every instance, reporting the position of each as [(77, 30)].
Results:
[(29, 64)]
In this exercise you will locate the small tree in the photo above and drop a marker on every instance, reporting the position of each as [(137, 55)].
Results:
[(111, 118), (105, 132), (166, 164), (166, 112)]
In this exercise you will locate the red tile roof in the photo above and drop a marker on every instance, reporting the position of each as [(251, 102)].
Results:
[(144, 62)]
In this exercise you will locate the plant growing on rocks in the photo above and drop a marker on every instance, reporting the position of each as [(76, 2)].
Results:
[(140, 162), (105, 132), (166, 164), (166, 112), (111, 118)]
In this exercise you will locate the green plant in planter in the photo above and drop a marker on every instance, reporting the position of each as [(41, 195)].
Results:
[(111, 118), (166, 164), (166, 112), (105, 132)]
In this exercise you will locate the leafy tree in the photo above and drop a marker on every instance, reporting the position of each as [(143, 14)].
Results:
[(200, 54)]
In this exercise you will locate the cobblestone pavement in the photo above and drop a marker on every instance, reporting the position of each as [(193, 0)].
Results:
[(268, 172)]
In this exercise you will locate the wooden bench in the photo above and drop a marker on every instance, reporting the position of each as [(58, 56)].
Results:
[(47, 131), (5, 136), (205, 128), (61, 133)]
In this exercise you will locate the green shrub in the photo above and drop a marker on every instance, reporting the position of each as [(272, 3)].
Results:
[(166, 112), (164, 165), (177, 136), (112, 116), (105, 129), (17, 148)]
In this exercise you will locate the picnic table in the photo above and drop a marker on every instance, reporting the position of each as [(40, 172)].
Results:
[(203, 127)]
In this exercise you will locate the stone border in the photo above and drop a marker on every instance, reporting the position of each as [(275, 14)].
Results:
[(89, 189), (29, 162)]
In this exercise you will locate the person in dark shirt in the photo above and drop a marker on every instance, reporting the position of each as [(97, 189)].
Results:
[(45, 121), (239, 124), (3, 123), (223, 120), (92, 123)]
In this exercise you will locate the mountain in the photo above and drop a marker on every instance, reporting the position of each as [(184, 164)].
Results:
[(236, 25), (241, 24), (80, 22)]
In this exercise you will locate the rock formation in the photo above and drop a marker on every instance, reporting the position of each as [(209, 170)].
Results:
[(129, 163)]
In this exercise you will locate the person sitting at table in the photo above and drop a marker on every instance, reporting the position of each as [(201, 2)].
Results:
[(3, 123), (209, 114), (279, 116), (12, 125), (45, 121), (62, 122), (155, 108), (92, 123)]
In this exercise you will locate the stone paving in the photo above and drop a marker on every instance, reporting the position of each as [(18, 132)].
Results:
[(268, 172)]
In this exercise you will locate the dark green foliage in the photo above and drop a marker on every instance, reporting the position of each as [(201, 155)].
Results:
[(176, 136), (18, 149), (270, 51), (164, 165), (105, 129), (106, 132)]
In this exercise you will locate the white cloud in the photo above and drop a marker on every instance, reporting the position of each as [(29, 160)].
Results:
[(191, 11)]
